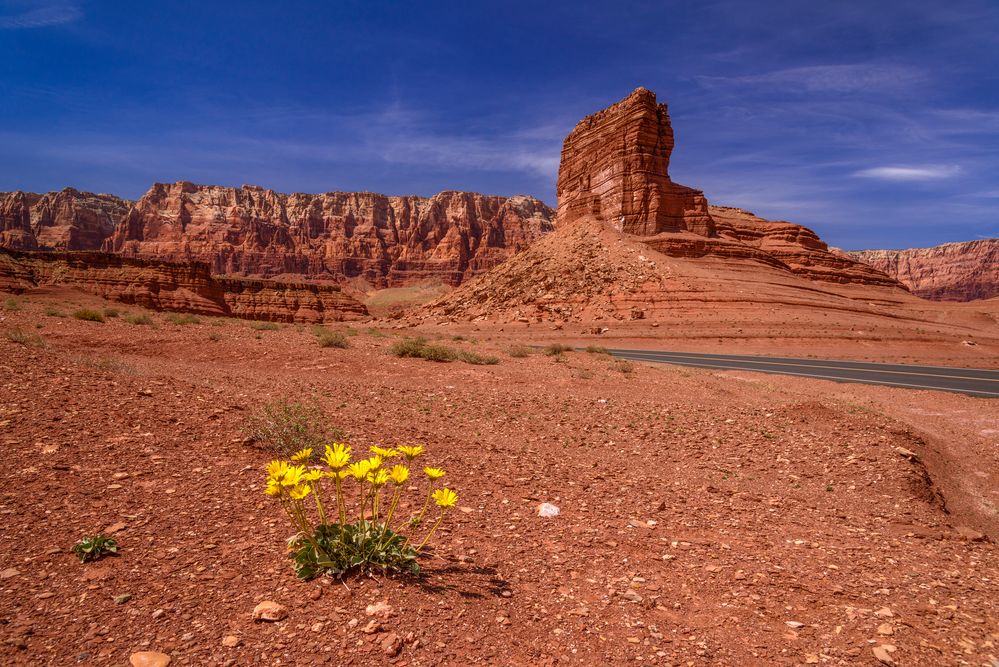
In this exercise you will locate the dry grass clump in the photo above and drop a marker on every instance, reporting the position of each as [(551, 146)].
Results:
[(24, 338), (421, 349), (596, 349), (519, 351), (52, 311), (265, 326), (12, 304), (111, 312), (556, 349), (139, 319), (88, 315), (290, 426), (182, 318), (328, 338)]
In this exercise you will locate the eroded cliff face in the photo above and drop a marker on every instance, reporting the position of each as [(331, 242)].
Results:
[(179, 286), (948, 272), (384, 241), (64, 220)]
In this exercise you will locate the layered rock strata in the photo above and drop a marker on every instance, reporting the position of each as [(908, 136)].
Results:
[(948, 272), (383, 241), (64, 220), (180, 286)]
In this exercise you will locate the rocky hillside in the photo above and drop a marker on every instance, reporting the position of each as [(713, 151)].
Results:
[(949, 272), (64, 220), (383, 241)]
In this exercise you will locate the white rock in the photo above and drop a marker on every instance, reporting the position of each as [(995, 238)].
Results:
[(548, 510)]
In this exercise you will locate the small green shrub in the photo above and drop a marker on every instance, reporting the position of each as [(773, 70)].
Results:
[(265, 326), (519, 351), (625, 367), (54, 312), (329, 338), (556, 349), (476, 359), (94, 547), (88, 315), (111, 312), (215, 336), (139, 319), (24, 338), (419, 348), (596, 349), (12, 304), (290, 426), (409, 347), (182, 318)]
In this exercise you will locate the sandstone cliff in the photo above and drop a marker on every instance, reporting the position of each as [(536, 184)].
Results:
[(186, 286), (949, 272), (383, 241), (64, 220), (631, 244)]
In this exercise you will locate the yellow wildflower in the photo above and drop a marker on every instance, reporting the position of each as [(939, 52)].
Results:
[(378, 477), (410, 452), (375, 462), (313, 476), (360, 469), (384, 453), (434, 473), (300, 491), (273, 489), (293, 476), (302, 454), (337, 456), (277, 469), (445, 498), (399, 475)]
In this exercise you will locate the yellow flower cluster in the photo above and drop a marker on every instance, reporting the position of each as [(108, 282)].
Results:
[(291, 482)]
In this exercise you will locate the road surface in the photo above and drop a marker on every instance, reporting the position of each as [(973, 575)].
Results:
[(972, 381)]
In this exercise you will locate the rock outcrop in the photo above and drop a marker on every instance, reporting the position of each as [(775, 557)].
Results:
[(64, 220), (180, 286), (341, 236), (948, 272), (632, 244)]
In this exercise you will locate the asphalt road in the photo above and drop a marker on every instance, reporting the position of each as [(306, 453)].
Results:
[(972, 381)]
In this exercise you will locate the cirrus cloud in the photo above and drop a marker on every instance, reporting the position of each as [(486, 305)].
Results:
[(929, 173)]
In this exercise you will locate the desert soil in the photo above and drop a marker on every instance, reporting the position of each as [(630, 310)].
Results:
[(707, 518)]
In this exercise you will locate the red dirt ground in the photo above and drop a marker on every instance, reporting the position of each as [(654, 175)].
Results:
[(708, 518)]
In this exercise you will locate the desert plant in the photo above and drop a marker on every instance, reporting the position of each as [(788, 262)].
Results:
[(265, 326), (215, 336), (12, 304), (519, 351), (328, 538), (182, 318), (476, 359), (111, 312), (290, 426), (141, 318), (95, 546), (54, 312), (625, 367), (24, 338), (596, 349), (556, 349), (88, 315), (329, 338), (419, 348)]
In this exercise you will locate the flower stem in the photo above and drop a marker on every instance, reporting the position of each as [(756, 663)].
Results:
[(427, 538)]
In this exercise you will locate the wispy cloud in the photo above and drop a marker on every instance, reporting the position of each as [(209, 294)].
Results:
[(870, 77), (909, 173), (41, 17)]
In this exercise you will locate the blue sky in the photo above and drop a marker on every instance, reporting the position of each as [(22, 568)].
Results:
[(875, 123)]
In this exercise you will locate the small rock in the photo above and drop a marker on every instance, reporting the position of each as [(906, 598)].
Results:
[(882, 655), (315, 593), (969, 534), (123, 598), (391, 645), (231, 641), (149, 659), (884, 612), (631, 595), (120, 475), (381, 609), (794, 624), (548, 510), (886, 630), (507, 593), (317, 627), (145, 392), (116, 528), (159, 613), (269, 611), (9, 572), (372, 627)]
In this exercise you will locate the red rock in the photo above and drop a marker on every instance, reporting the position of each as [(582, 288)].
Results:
[(379, 240), (187, 287), (949, 272), (65, 220)]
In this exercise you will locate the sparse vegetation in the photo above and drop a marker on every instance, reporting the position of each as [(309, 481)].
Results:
[(182, 318), (94, 547), (596, 349), (140, 319), (215, 336), (519, 351), (419, 348), (51, 311), (12, 304), (556, 349), (265, 326), (111, 312), (625, 367), (24, 338), (329, 338), (290, 426), (108, 364), (333, 543), (88, 315)]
